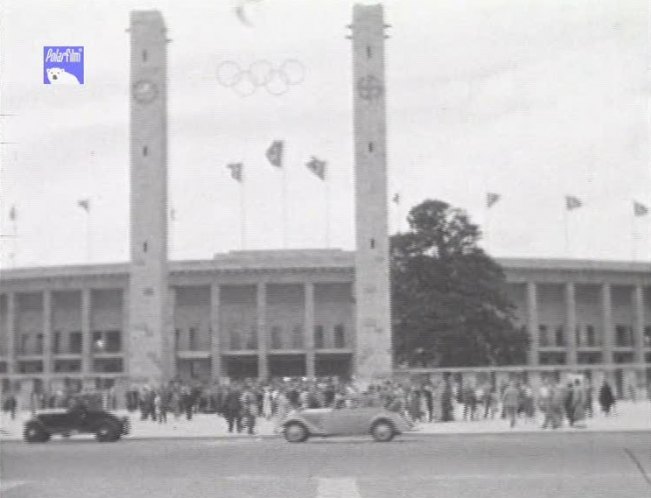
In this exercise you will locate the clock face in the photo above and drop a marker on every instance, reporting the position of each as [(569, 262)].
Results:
[(369, 87), (144, 91)]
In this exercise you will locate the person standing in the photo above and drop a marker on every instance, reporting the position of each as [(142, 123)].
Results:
[(187, 402), (429, 402), (283, 407), (569, 403), (232, 409), (447, 403), (267, 403), (249, 404), (606, 398), (545, 404), (9, 405), (510, 402), (578, 402)]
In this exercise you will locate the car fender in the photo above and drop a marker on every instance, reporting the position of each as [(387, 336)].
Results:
[(394, 419), (37, 421), (311, 427), (99, 421)]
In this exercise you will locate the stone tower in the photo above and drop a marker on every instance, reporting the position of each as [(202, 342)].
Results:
[(149, 352), (373, 357)]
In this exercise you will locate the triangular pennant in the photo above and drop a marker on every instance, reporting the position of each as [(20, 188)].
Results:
[(237, 171), (640, 209), (318, 167), (491, 199), (572, 202), (84, 204), (275, 153)]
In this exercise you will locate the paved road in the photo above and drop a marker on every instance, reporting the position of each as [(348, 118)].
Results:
[(415, 466)]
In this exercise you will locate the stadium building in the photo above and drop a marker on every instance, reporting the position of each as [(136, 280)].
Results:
[(292, 313)]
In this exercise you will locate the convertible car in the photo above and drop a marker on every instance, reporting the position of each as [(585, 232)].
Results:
[(78, 420), (380, 423)]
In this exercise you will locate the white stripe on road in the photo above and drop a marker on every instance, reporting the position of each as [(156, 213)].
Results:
[(337, 487), (7, 485)]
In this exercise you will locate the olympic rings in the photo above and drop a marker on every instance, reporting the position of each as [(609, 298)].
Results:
[(261, 74)]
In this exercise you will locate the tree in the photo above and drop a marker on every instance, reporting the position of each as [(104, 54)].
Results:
[(450, 306)]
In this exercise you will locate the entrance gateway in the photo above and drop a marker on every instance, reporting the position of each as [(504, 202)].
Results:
[(151, 353)]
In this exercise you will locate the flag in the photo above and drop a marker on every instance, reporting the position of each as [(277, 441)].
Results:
[(275, 153), (317, 167), (491, 199), (237, 170), (396, 198), (640, 209), (12, 213), (84, 204), (572, 202)]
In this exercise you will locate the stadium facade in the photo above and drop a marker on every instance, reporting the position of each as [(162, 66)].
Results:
[(292, 313)]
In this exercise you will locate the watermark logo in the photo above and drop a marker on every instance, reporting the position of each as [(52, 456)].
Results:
[(63, 65)]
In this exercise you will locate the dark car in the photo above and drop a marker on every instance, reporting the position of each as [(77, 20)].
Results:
[(79, 419)]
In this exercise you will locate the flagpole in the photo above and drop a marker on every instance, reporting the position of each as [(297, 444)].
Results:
[(170, 235), (242, 216), (567, 235), (487, 224), (633, 238), (327, 212), (14, 229), (284, 201), (89, 248)]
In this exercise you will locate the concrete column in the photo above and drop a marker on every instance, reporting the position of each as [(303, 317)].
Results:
[(86, 336), (310, 357), (607, 323), (570, 322), (532, 323), (638, 334), (215, 347), (11, 333), (263, 343), (48, 366), (125, 332), (171, 331)]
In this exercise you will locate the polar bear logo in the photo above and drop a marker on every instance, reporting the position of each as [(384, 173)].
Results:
[(59, 76)]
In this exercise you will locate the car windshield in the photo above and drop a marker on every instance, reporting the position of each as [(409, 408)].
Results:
[(365, 400)]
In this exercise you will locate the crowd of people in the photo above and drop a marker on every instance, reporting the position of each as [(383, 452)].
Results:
[(241, 403)]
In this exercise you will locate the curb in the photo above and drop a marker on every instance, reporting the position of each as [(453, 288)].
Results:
[(410, 435)]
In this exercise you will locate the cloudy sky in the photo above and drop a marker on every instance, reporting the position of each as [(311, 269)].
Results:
[(532, 99)]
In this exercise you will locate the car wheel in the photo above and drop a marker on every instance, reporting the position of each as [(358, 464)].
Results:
[(383, 431), (34, 433), (106, 433), (295, 432)]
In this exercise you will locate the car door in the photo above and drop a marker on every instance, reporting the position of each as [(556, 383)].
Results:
[(57, 422), (348, 420)]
